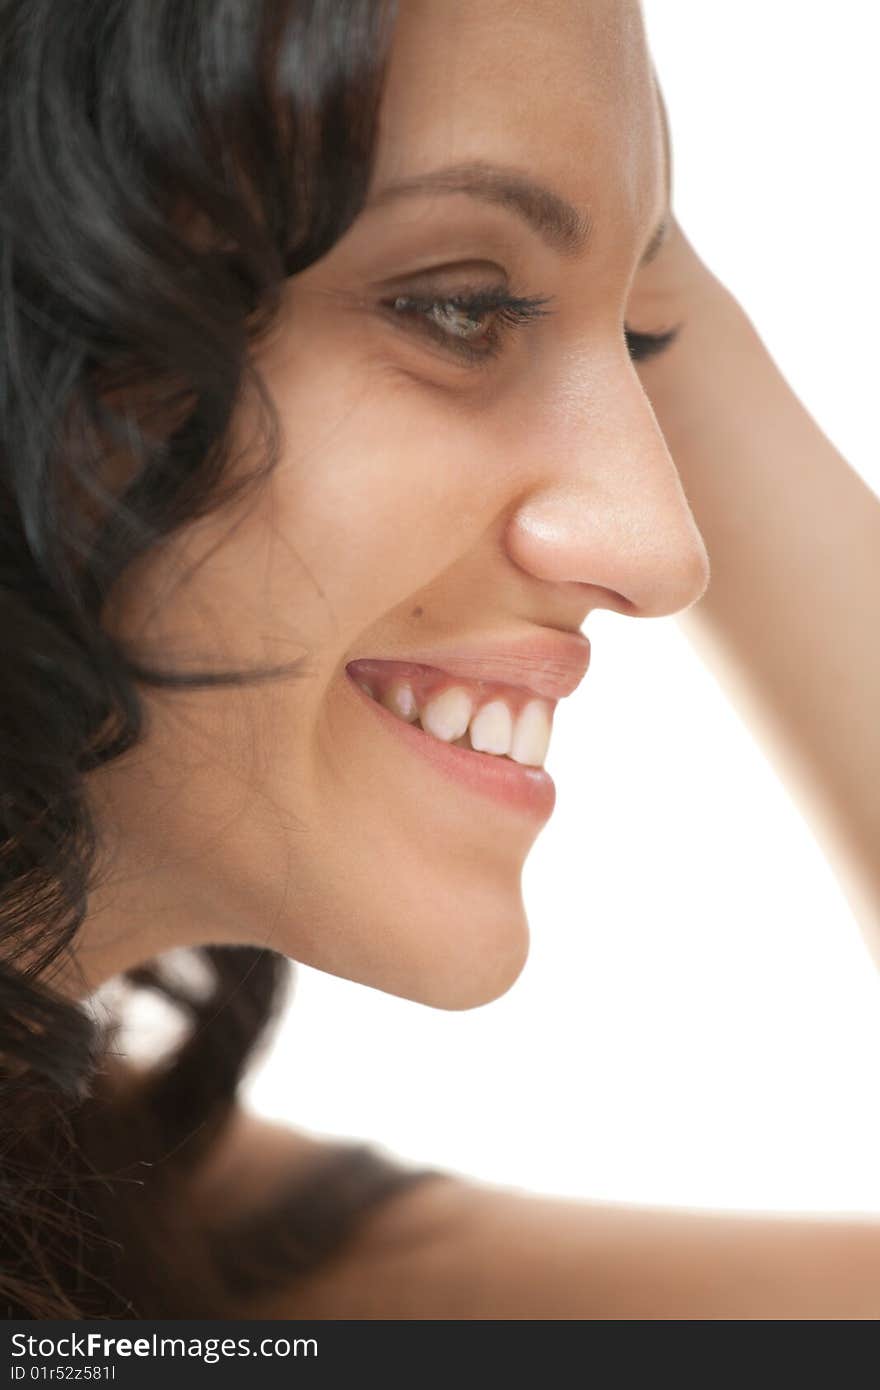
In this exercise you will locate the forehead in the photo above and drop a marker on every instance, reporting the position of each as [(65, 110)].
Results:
[(561, 89)]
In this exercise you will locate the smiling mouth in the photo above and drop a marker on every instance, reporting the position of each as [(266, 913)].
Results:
[(487, 718)]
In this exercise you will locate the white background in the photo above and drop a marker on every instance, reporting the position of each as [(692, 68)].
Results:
[(698, 1023)]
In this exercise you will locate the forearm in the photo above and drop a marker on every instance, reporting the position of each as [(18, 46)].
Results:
[(790, 622)]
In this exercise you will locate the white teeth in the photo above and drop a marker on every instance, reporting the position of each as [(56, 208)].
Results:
[(492, 728), (451, 717), (399, 698), (531, 734), (447, 715)]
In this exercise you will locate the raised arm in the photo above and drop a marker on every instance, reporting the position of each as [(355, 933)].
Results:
[(790, 622)]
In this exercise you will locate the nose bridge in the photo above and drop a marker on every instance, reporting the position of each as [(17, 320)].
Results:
[(608, 507)]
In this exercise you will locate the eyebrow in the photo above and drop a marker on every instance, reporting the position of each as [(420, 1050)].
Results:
[(555, 220)]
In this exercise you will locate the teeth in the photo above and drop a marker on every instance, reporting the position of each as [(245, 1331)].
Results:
[(451, 716), (531, 734), (447, 716), (492, 728), (399, 698)]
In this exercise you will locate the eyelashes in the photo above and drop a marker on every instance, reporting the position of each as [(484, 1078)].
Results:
[(455, 321), (644, 345)]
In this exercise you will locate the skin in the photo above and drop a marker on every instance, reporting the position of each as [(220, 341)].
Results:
[(419, 498), (252, 816)]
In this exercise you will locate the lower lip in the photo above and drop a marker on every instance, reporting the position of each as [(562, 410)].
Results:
[(527, 789)]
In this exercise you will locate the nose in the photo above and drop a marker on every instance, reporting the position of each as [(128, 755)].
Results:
[(608, 509)]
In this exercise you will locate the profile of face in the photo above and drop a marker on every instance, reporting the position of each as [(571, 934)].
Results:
[(457, 490)]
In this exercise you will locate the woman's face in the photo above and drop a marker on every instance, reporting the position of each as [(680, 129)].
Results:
[(448, 512)]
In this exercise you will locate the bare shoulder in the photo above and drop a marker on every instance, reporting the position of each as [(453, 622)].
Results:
[(253, 1156), (449, 1248)]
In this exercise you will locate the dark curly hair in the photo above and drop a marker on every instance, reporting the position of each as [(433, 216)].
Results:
[(125, 125)]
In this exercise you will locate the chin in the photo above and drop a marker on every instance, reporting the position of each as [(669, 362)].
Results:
[(473, 960), (453, 962), (487, 980)]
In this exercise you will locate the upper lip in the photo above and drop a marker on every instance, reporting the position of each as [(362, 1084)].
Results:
[(545, 665)]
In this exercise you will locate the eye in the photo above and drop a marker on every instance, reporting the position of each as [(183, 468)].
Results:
[(459, 321), (644, 345), (473, 324)]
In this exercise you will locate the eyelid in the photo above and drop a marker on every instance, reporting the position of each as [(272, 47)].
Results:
[(508, 311), (511, 310), (467, 273)]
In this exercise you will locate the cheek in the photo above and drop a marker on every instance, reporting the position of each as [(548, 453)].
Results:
[(391, 465), (377, 506)]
